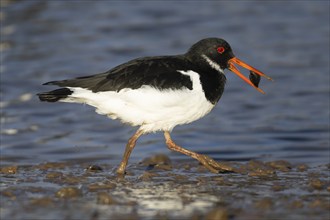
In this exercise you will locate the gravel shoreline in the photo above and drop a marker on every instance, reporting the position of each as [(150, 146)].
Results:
[(157, 188)]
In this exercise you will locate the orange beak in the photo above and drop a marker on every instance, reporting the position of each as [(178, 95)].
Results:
[(239, 62)]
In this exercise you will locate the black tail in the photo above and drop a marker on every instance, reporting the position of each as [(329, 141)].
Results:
[(55, 95)]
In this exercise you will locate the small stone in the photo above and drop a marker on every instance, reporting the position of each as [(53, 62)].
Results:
[(54, 175), (45, 201), (104, 198), (316, 184), (147, 176), (179, 177), (254, 164), (158, 159), (68, 192), (259, 169), (51, 165), (277, 188), (281, 165), (320, 203), (101, 186), (94, 168), (72, 180), (163, 167), (302, 167), (296, 204), (187, 167), (261, 172), (265, 203), (8, 170), (9, 194), (217, 213)]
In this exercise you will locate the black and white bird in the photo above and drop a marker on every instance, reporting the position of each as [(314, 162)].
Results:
[(159, 93)]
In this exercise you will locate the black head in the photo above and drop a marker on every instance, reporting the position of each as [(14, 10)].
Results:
[(215, 49), (216, 53)]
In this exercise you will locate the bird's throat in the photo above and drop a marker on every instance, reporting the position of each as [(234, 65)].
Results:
[(213, 64)]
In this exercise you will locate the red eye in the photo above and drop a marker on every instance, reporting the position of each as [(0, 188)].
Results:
[(221, 50)]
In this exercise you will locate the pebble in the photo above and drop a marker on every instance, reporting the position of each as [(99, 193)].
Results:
[(44, 201), (281, 165), (9, 194), (8, 170), (296, 204), (101, 186), (302, 167), (68, 192), (260, 172), (158, 159), (217, 214), (147, 176), (52, 165), (106, 199), (54, 175), (265, 203), (319, 203), (317, 184), (277, 188), (94, 168)]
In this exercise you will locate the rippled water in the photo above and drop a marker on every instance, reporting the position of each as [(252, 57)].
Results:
[(52, 40)]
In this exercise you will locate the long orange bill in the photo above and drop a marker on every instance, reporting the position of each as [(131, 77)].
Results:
[(239, 62)]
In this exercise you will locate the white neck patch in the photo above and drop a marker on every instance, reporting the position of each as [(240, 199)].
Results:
[(213, 64)]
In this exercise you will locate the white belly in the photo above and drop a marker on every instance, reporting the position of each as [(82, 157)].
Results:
[(148, 107)]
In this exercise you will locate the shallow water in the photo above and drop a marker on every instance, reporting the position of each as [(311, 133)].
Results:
[(184, 190), (52, 40)]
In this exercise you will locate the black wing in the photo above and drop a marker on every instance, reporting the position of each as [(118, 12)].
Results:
[(158, 72)]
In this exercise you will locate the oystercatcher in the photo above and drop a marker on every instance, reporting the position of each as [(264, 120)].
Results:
[(159, 93)]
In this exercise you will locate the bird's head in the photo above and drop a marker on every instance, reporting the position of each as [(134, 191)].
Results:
[(217, 54)]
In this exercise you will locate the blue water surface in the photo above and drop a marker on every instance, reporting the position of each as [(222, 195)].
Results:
[(52, 40)]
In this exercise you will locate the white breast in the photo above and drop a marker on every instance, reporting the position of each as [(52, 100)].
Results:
[(148, 107)]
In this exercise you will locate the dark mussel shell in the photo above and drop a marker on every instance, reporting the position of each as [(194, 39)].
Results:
[(254, 78)]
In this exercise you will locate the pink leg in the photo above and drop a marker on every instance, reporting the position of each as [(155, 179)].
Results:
[(129, 148), (208, 162)]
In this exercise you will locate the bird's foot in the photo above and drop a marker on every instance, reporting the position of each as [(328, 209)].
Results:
[(121, 169), (214, 166)]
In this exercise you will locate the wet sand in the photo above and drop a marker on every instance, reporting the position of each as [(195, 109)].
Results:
[(158, 188)]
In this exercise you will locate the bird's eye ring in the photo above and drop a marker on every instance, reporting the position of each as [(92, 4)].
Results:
[(221, 50)]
